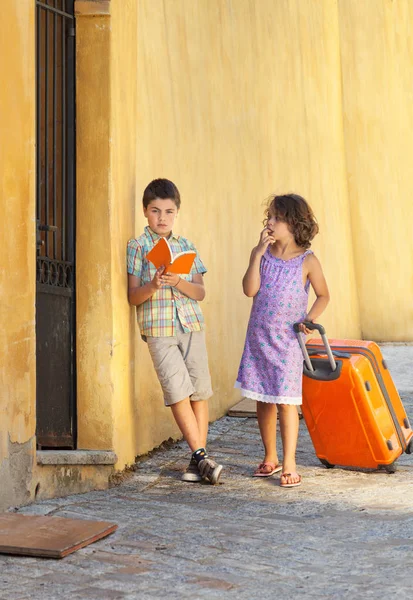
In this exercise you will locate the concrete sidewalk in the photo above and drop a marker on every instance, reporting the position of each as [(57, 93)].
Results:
[(342, 534)]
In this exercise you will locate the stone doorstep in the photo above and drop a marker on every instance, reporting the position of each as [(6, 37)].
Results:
[(248, 408), (76, 457)]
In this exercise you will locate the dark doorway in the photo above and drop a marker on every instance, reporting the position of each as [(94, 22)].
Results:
[(55, 222)]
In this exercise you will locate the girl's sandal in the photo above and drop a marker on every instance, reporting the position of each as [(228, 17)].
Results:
[(290, 485), (266, 469)]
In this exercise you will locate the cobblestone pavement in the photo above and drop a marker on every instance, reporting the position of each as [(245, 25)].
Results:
[(342, 534)]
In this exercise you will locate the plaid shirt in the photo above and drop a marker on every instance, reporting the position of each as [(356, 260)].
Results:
[(157, 315)]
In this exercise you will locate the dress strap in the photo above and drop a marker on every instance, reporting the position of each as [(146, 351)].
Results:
[(306, 253)]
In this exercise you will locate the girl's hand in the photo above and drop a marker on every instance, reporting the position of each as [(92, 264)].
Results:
[(170, 279), (157, 280), (305, 329), (265, 240)]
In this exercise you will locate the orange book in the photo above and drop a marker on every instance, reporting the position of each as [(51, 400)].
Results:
[(161, 256)]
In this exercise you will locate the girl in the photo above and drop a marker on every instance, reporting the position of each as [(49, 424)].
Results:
[(279, 275)]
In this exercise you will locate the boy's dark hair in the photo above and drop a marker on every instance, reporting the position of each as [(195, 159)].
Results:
[(161, 188), (296, 212)]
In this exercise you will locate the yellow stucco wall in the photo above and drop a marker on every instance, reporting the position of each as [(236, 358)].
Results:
[(128, 427), (17, 270), (233, 101), (377, 59), (237, 101), (94, 309), (106, 159)]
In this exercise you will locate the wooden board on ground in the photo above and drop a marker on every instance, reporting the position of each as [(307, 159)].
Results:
[(51, 537), (245, 408)]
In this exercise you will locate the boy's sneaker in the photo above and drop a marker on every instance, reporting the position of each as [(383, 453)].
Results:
[(192, 472), (210, 470)]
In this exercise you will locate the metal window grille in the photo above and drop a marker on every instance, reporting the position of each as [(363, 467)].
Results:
[(55, 142), (55, 214)]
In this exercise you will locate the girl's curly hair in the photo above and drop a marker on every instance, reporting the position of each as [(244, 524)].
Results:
[(296, 212)]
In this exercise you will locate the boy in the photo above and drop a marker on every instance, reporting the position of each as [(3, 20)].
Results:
[(172, 324)]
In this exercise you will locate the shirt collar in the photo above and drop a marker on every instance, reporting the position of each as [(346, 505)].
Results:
[(155, 237)]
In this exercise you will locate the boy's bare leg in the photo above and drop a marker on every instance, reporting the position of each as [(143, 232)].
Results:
[(267, 422), (200, 409), (186, 420), (289, 424)]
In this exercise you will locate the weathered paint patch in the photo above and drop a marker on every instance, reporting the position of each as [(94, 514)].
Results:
[(16, 471)]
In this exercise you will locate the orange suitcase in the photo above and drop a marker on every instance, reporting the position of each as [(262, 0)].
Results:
[(350, 404)]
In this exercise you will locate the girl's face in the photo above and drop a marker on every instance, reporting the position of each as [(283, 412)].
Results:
[(277, 227), (161, 214)]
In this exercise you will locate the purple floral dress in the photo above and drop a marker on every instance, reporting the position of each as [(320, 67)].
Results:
[(271, 367)]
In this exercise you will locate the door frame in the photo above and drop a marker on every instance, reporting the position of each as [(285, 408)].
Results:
[(55, 252)]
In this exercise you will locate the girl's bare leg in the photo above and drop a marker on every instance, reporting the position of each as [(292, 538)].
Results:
[(267, 422), (289, 424)]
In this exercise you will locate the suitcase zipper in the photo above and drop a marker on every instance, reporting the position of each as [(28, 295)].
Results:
[(370, 356)]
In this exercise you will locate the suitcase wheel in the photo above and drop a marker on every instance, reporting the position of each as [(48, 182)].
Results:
[(326, 463), (389, 468), (409, 447)]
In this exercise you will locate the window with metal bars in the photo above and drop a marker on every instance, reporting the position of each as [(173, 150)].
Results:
[(55, 153)]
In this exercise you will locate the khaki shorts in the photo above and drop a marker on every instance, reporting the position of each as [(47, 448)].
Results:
[(181, 363)]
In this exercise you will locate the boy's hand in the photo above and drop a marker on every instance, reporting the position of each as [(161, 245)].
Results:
[(265, 240), (157, 280), (171, 279)]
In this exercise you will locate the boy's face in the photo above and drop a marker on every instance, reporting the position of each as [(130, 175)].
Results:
[(161, 214)]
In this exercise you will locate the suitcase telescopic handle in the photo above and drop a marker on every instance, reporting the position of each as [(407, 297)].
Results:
[(326, 343), (311, 326)]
